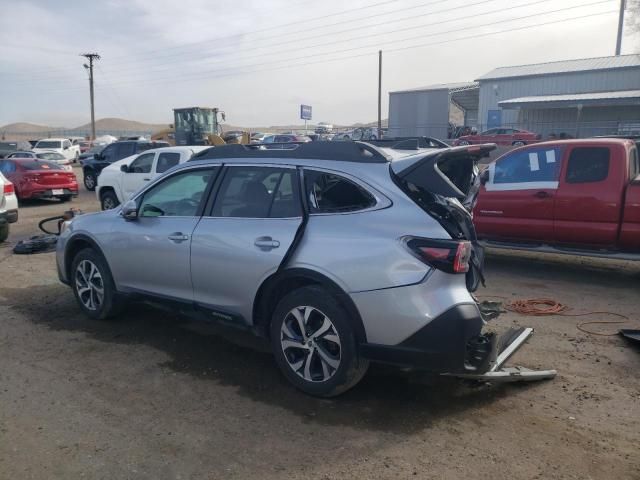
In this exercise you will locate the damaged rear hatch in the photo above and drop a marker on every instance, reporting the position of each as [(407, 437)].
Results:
[(444, 183)]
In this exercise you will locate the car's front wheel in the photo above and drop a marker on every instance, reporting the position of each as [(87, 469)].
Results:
[(314, 343), (90, 180), (93, 285)]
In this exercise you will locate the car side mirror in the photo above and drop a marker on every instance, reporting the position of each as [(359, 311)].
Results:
[(124, 168), (130, 211), (97, 156), (484, 176)]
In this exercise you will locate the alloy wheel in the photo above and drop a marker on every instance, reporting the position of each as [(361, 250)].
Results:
[(89, 285), (108, 203), (311, 344), (89, 181)]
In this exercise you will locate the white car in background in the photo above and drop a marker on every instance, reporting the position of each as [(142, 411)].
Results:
[(8, 206), (61, 145), (119, 181)]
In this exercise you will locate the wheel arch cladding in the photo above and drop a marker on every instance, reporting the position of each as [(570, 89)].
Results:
[(75, 245), (274, 288)]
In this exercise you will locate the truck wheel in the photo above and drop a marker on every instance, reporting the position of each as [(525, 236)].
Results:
[(109, 200), (314, 343), (90, 180), (4, 232)]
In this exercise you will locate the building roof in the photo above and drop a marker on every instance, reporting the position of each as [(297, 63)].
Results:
[(624, 97), (452, 87), (567, 66)]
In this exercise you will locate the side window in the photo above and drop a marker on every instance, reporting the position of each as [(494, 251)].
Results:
[(124, 150), (66, 144), (178, 196), (329, 193), (167, 160), (7, 167), (108, 154), (258, 192), (634, 163), (588, 164), (142, 164), (528, 166)]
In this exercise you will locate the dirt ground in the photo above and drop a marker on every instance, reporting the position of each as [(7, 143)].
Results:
[(151, 395)]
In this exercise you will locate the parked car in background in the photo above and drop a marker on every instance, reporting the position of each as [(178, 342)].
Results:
[(35, 178), (85, 147), (46, 155), (258, 137), (8, 206), (572, 196), (7, 148), (324, 127), (63, 146), (337, 255), (286, 138), (91, 167), (91, 152), (120, 180), (500, 136)]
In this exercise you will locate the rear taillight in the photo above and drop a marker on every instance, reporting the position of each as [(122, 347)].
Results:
[(9, 189), (33, 177), (450, 256)]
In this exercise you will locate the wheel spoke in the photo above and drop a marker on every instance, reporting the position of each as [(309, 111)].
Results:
[(332, 338), (325, 369), (293, 344), (324, 328), (333, 362), (307, 366), (301, 323)]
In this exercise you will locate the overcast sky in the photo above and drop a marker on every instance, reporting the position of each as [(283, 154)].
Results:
[(258, 60)]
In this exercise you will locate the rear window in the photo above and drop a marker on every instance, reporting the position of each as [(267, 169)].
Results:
[(39, 165), (48, 144), (329, 193), (588, 164)]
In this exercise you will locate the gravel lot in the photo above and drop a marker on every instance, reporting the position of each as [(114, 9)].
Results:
[(151, 395)]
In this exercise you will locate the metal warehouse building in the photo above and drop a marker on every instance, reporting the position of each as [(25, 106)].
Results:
[(595, 96)]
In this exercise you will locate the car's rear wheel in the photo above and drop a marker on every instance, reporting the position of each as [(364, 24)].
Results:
[(109, 200), (463, 142), (90, 180), (314, 343), (93, 285), (4, 232), (519, 143)]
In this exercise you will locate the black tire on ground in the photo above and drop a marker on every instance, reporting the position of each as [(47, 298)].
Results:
[(83, 275), (90, 180), (108, 200), (66, 198), (4, 232), (332, 367)]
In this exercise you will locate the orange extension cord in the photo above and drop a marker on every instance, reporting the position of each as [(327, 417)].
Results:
[(547, 306)]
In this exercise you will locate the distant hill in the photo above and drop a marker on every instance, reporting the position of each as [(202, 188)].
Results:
[(22, 127), (122, 125)]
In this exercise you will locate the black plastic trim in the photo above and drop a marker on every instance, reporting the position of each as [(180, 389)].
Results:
[(439, 347)]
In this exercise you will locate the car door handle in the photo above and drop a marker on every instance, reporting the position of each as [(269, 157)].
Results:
[(541, 194), (178, 237), (266, 243), (146, 179)]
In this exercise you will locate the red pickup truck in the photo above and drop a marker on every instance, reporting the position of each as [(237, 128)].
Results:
[(568, 196)]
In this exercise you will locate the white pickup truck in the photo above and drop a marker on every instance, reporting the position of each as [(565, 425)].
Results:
[(63, 146), (119, 181)]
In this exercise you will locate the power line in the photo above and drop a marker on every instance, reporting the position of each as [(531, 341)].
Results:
[(370, 54), (126, 77)]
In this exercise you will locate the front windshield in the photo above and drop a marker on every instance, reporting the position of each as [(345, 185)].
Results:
[(48, 144), (50, 156)]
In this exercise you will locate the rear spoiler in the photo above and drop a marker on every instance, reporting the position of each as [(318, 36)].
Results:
[(423, 171)]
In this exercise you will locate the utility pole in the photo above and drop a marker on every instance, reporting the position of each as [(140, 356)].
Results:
[(91, 57), (379, 94), (623, 6)]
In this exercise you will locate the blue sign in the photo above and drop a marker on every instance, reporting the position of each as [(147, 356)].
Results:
[(494, 118), (305, 112)]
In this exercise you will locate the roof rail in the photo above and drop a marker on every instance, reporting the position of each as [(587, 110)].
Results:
[(338, 151), (409, 143)]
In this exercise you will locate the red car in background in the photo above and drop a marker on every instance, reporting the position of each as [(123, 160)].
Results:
[(500, 136), (35, 178)]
